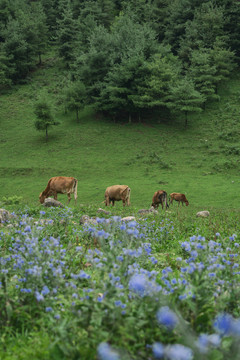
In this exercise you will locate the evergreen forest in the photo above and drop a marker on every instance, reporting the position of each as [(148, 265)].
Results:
[(129, 59)]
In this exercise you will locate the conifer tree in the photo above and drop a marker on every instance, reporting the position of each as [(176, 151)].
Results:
[(43, 112), (75, 97), (203, 71), (67, 35), (185, 99)]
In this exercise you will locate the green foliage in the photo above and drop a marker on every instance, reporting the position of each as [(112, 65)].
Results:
[(11, 200), (203, 73), (44, 117), (82, 285), (184, 98), (67, 34), (75, 97)]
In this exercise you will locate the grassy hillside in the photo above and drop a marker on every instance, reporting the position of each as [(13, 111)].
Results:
[(201, 161)]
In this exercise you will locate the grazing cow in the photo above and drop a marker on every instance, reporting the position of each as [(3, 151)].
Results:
[(178, 197), (117, 193), (159, 197), (60, 185)]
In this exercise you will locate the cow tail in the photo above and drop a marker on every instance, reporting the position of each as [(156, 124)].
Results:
[(75, 189)]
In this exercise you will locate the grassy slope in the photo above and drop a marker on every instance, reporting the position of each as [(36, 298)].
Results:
[(147, 157)]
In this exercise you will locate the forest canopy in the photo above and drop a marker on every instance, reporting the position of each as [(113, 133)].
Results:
[(124, 57)]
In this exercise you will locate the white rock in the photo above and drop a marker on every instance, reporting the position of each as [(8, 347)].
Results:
[(204, 213), (4, 215), (129, 218)]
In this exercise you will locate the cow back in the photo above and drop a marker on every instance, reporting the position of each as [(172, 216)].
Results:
[(115, 191)]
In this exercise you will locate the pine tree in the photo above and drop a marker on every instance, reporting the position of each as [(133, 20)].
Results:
[(224, 61), (67, 35), (203, 71), (44, 116), (75, 97), (160, 73), (185, 99)]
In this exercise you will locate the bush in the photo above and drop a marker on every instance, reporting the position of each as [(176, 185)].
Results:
[(12, 200)]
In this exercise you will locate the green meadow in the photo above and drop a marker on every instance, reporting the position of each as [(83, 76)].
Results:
[(201, 161)]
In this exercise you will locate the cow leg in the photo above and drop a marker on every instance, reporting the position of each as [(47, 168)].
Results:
[(113, 202), (55, 195), (75, 198), (69, 197)]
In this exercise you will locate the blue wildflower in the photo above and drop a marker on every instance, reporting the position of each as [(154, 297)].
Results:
[(167, 317), (158, 350), (45, 290), (223, 324), (39, 296), (138, 284), (27, 228), (118, 303), (105, 352), (178, 352), (205, 341)]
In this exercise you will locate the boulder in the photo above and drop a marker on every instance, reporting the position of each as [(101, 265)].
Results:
[(4, 215), (204, 213), (129, 218), (100, 210), (85, 219), (148, 211), (48, 202)]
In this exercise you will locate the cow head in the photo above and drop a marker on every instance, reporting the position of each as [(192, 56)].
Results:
[(42, 198), (187, 203)]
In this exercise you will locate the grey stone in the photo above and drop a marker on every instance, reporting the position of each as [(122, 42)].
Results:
[(204, 213), (148, 211), (4, 215), (48, 202), (129, 218), (85, 219), (100, 210)]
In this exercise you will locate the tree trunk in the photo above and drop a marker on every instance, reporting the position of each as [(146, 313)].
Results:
[(77, 115), (129, 119), (40, 59), (186, 118)]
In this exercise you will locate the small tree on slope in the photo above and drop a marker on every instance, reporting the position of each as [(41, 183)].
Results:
[(44, 117)]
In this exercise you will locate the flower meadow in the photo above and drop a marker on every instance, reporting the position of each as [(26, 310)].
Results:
[(111, 289)]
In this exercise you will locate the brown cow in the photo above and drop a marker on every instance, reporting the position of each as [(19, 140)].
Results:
[(178, 197), (159, 197), (60, 185), (116, 193)]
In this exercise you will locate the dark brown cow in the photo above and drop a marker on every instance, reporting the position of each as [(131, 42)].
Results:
[(116, 193), (159, 197), (60, 185), (178, 197)]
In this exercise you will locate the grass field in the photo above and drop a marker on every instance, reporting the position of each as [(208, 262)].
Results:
[(68, 290), (201, 161)]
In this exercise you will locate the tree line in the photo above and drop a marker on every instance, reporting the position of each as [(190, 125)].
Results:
[(125, 57)]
